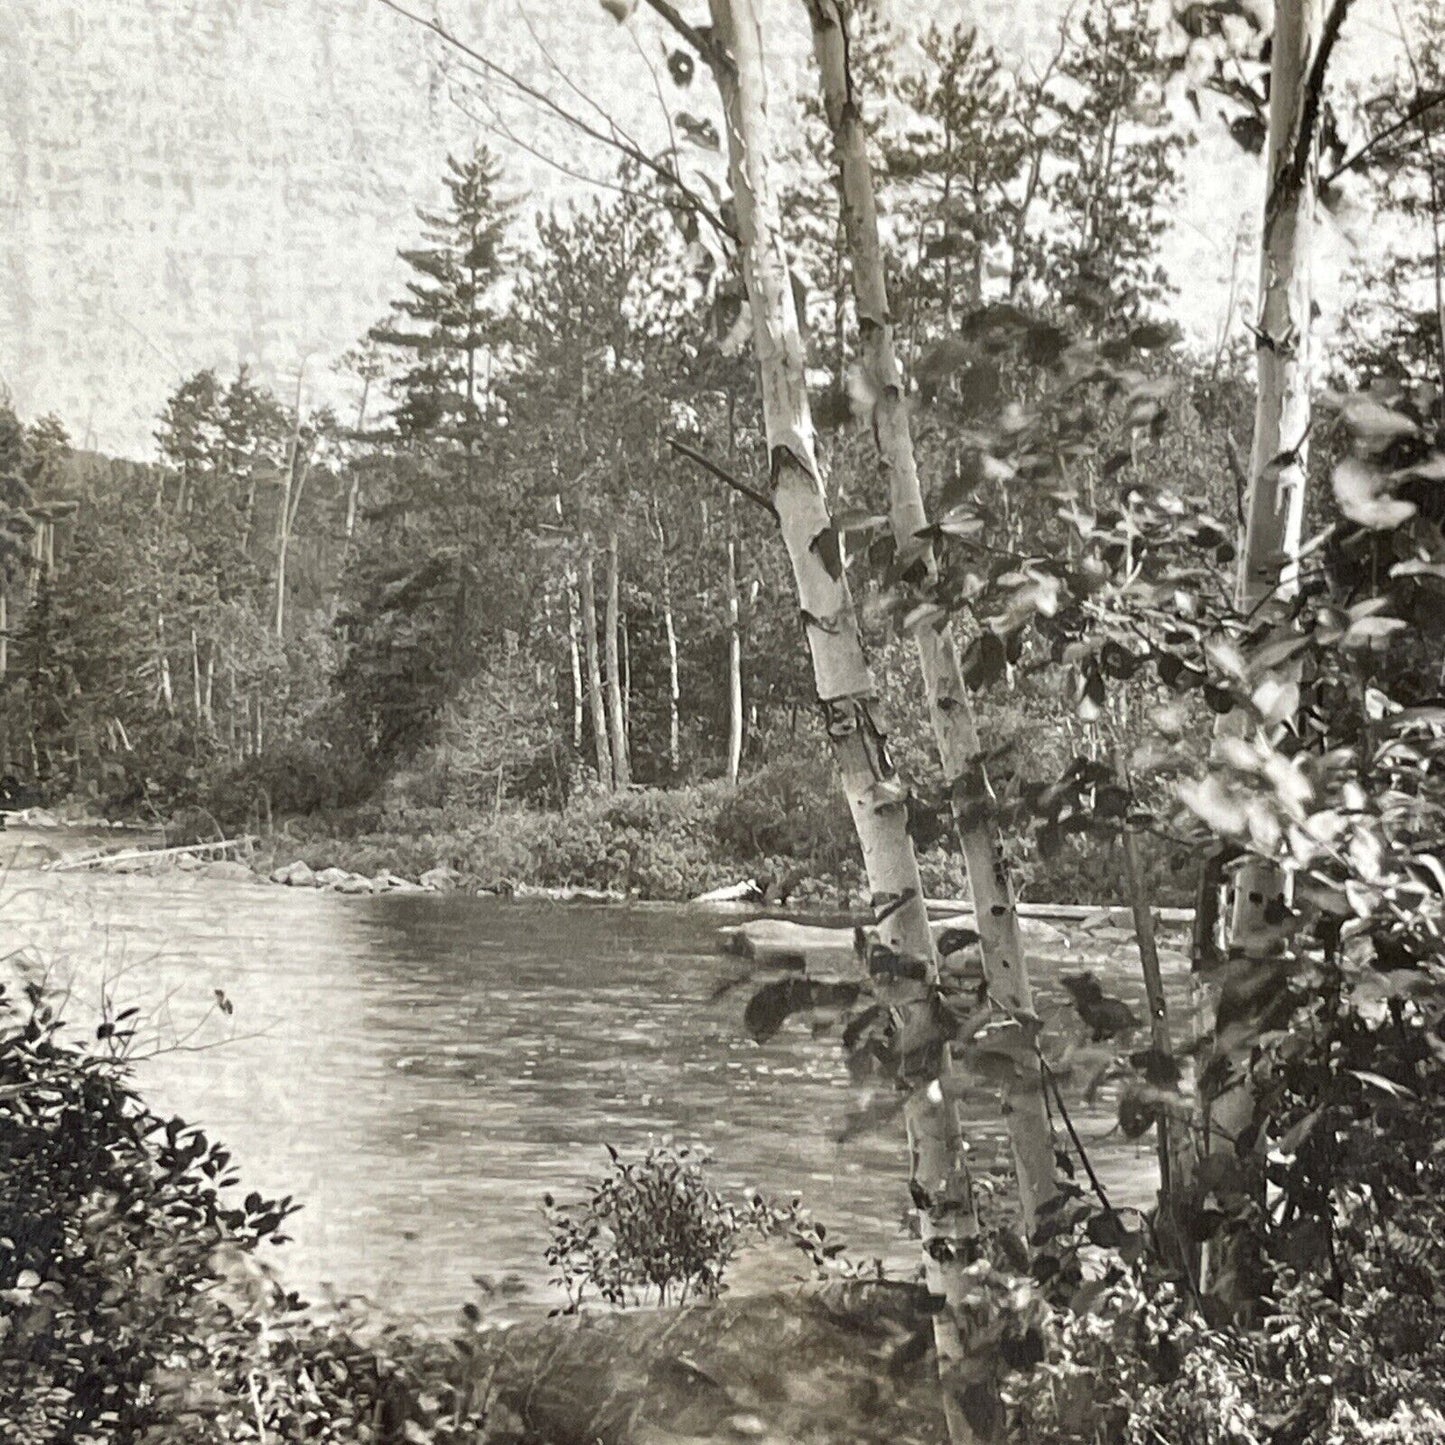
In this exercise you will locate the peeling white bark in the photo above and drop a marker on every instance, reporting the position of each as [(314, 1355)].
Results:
[(840, 671), (616, 712), (1274, 508), (594, 668), (950, 711)]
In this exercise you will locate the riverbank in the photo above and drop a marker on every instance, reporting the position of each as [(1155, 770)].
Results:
[(785, 828), (655, 845)]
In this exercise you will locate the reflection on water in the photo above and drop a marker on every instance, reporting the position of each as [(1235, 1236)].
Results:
[(419, 1070)]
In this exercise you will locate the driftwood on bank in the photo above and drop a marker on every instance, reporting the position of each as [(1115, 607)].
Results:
[(156, 855), (821, 950), (840, 1364)]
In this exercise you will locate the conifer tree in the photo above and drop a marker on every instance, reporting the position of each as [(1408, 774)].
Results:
[(445, 324)]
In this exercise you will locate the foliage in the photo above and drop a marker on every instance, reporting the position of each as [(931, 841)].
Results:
[(654, 1228), (136, 1303)]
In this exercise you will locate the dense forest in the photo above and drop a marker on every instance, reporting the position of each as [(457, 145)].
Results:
[(530, 566)]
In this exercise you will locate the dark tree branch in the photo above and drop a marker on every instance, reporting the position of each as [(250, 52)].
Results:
[(666, 173), (1292, 174), (722, 474), (699, 37), (1239, 473), (1412, 114)]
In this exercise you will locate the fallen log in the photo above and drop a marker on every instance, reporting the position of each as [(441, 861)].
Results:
[(1066, 913), (135, 855), (843, 1364), (821, 951)]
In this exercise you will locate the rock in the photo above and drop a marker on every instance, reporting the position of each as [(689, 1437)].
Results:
[(189, 863), (395, 883), (298, 875), (747, 891), (440, 879), (36, 818), (354, 883), (801, 1364), (332, 877), (228, 868), (781, 943)]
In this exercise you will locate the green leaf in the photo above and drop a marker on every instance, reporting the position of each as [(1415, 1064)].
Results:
[(1378, 1081), (984, 660)]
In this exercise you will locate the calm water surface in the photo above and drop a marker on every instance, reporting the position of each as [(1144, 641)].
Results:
[(419, 1070)]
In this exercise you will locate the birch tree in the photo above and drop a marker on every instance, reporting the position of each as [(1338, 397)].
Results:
[(949, 709), (903, 963), (1268, 574)]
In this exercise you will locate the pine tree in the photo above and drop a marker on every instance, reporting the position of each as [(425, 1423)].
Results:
[(17, 527), (964, 167), (446, 323), (1114, 167)]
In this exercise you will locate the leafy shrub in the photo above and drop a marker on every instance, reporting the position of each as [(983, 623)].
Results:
[(135, 1304), (791, 809), (654, 1228)]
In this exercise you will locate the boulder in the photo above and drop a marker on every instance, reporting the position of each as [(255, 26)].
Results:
[(332, 877), (441, 879), (229, 868), (847, 1363), (354, 883), (781, 943), (189, 863), (529, 891), (298, 875), (36, 818), (395, 883)]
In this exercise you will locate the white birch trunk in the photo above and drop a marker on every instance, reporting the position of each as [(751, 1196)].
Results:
[(594, 669), (841, 674), (950, 712), (626, 685), (574, 656), (168, 695), (1274, 510), (735, 668), (616, 720), (669, 628)]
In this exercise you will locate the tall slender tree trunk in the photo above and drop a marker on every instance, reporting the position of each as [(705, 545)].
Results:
[(574, 655), (907, 975), (353, 492), (197, 703), (4, 629), (735, 624), (735, 667), (616, 721), (950, 712), (594, 668), (168, 695), (626, 684), (1268, 562), (669, 629)]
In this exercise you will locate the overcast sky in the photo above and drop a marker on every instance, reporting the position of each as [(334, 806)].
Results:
[(192, 183)]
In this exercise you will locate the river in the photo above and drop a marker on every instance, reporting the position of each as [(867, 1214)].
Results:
[(418, 1070)]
